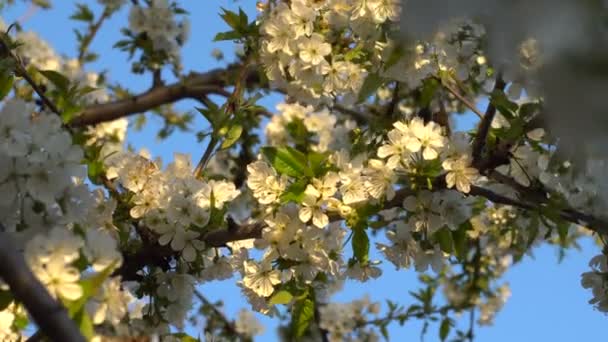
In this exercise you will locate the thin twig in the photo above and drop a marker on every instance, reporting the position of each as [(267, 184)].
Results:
[(228, 324), (390, 108), (485, 124), (462, 99), (231, 108), (93, 29), (23, 73)]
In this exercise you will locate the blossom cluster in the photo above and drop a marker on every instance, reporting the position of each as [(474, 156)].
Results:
[(40, 166), (172, 203), (65, 230), (341, 319), (319, 50), (322, 130), (158, 22), (597, 281)]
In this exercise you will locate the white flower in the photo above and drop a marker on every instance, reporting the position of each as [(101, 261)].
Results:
[(60, 279), (422, 210), (384, 9), (101, 249), (597, 281), (312, 208), (314, 49), (223, 192), (110, 303), (264, 182), (428, 137), (261, 278), (432, 257), (460, 173), (50, 259), (380, 179), (246, 324)]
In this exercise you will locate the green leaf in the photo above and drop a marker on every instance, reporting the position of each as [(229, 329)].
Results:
[(90, 286), (183, 337), (370, 85), (316, 160), (444, 328), (288, 161), (281, 297), (228, 35), (6, 298), (85, 323), (503, 104), (428, 91), (384, 332), (295, 192), (95, 170), (444, 237), (211, 114), (232, 19), (459, 237), (360, 244), (42, 3), (302, 316), (562, 231), (6, 84), (61, 82), (21, 322), (231, 137), (83, 13)]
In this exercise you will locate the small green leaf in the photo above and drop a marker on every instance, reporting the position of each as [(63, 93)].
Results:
[(288, 161), (295, 192), (428, 91), (6, 83), (231, 137), (281, 297), (360, 244), (83, 13), (384, 332), (183, 337), (459, 237), (6, 298), (444, 237), (228, 35), (60, 81), (302, 316), (211, 115), (444, 328), (503, 104), (316, 160), (85, 323), (370, 85), (95, 170), (232, 19)]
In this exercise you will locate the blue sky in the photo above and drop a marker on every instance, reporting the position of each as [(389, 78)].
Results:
[(547, 302)]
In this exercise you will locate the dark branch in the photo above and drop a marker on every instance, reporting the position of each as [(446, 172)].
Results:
[(195, 86), (485, 124), (49, 315)]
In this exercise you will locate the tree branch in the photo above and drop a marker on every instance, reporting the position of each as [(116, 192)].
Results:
[(93, 29), (49, 315), (194, 86), (485, 124), (462, 99)]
